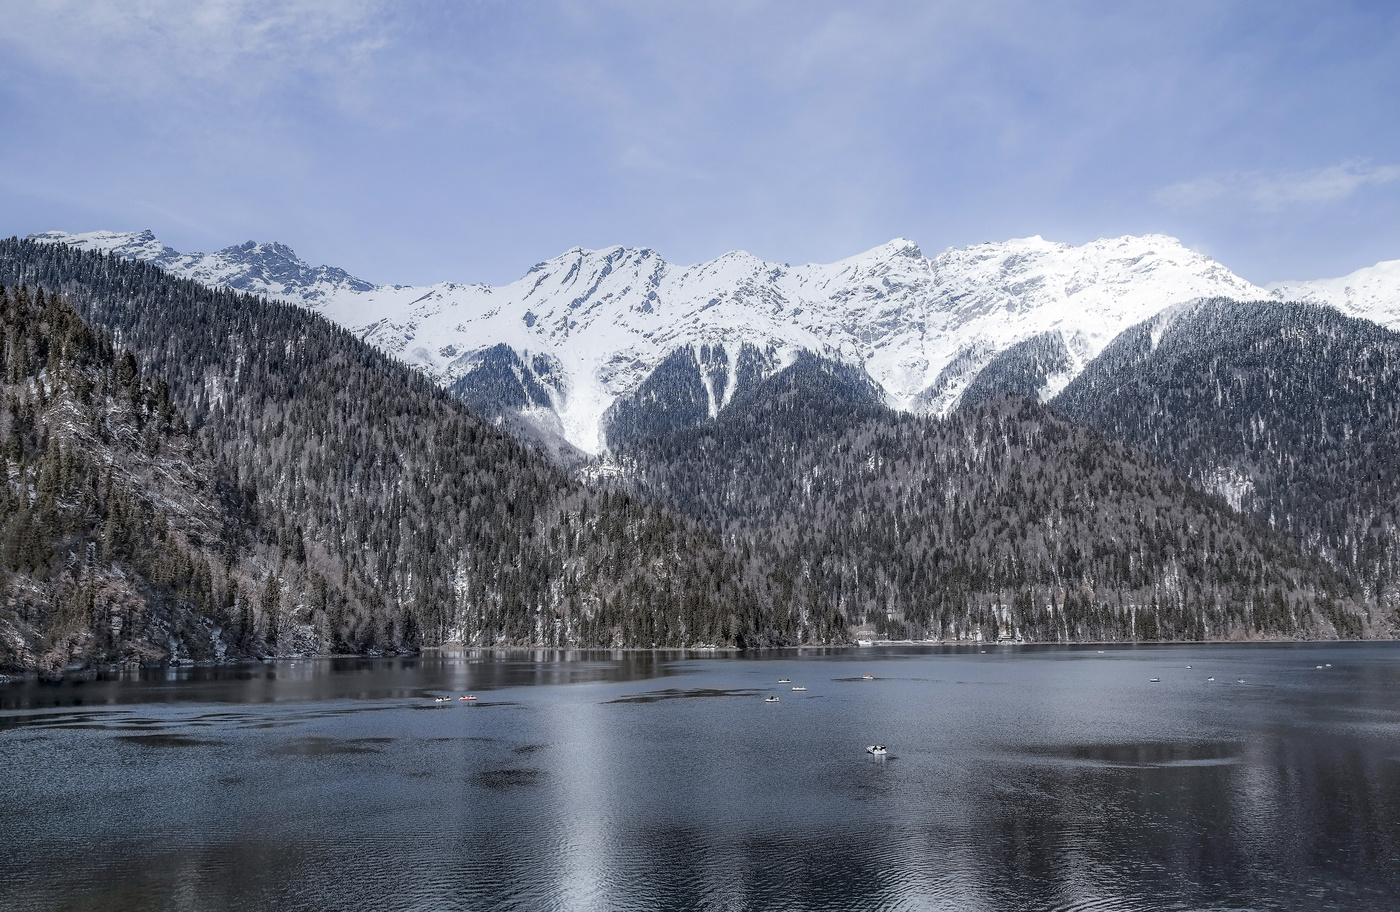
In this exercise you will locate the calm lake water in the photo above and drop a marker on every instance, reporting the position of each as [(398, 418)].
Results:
[(1023, 778)]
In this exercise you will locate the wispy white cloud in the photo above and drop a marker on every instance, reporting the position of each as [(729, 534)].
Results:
[(166, 48), (1276, 191), (643, 158)]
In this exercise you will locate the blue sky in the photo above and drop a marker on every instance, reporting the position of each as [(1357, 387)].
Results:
[(414, 142)]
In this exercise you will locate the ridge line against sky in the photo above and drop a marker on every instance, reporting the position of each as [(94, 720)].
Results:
[(416, 142), (901, 244)]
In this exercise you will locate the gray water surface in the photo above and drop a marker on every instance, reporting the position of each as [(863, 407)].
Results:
[(1019, 778)]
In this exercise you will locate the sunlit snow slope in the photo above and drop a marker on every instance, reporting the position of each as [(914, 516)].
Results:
[(1372, 293), (591, 325)]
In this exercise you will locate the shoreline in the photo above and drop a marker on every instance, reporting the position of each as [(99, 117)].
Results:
[(92, 673)]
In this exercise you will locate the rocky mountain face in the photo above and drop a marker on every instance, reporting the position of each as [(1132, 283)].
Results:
[(120, 541), (565, 351)]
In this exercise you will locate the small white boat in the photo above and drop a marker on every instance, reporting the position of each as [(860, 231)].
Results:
[(469, 698), (876, 749), (785, 680), (799, 688), (867, 677), (770, 699), (1240, 681), (1155, 681), (1319, 666), (1188, 666), (1210, 679), (442, 699), (1329, 664)]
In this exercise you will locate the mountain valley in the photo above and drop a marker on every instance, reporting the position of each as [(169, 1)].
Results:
[(1120, 441), (399, 518)]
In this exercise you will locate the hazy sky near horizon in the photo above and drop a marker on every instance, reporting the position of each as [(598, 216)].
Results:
[(414, 142)]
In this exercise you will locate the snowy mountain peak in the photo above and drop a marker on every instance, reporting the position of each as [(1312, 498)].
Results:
[(903, 247), (897, 248), (589, 326), (1372, 292), (135, 245), (269, 250)]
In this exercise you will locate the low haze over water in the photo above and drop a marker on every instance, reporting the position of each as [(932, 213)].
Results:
[(1035, 778)]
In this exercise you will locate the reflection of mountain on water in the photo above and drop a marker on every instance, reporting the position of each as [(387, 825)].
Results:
[(1163, 754), (655, 696)]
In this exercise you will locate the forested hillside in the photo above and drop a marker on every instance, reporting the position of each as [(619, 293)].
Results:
[(435, 525), (120, 542), (1291, 411), (1002, 517)]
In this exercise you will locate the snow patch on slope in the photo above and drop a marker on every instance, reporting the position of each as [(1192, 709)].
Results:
[(1231, 484)]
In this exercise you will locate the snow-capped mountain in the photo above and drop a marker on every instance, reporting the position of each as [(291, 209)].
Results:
[(1372, 293), (273, 269), (581, 332)]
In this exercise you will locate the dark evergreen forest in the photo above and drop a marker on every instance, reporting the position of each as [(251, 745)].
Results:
[(1003, 518), (1291, 410)]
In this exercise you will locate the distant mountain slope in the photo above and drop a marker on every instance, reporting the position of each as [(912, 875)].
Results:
[(439, 526), (1001, 517), (273, 270), (1372, 293), (1290, 411), (589, 327)]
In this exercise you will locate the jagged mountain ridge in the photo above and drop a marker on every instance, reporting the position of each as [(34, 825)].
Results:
[(586, 329)]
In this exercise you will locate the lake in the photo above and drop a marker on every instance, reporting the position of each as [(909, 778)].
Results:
[(1019, 778)]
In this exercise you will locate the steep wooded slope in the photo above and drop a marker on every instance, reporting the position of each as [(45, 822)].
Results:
[(1001, 516), (1292, 411), (120, 542), (441, 526)]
